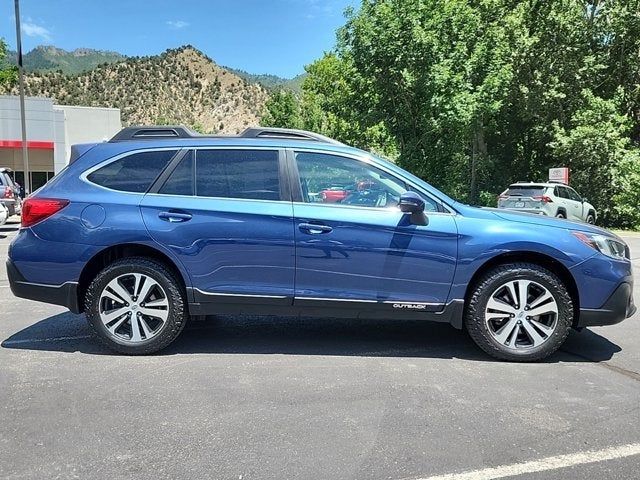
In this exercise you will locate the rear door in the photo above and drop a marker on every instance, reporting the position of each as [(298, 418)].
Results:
[(361, 250), (226, 214)]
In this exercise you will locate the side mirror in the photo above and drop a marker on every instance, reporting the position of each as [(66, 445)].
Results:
[(411, 202)]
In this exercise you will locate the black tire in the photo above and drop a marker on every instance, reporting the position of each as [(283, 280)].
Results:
[(561, 215), (177, 315), (483, 289), (591, 220)]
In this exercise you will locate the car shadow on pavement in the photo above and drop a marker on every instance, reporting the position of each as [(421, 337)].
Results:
[(66, 332)]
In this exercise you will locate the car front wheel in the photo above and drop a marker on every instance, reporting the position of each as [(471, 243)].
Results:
[(135, 306), (519, 312)]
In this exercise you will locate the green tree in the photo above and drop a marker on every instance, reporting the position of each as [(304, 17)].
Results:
[(8, 73), (475, 94), (597, 131), (282, 110)]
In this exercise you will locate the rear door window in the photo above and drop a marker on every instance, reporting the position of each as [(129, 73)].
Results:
[(246, 174), (134, 173)]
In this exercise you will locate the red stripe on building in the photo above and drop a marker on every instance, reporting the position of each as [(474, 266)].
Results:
[(35, 144)]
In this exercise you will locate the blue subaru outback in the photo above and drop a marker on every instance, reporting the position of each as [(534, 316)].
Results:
[(160, 224)]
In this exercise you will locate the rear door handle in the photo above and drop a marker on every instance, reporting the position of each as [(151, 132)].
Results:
[(174, 217), (314, 229)]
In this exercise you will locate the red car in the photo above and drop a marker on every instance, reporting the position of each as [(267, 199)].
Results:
[(333, 194)]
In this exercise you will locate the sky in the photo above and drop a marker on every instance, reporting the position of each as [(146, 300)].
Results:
[(278, 37)]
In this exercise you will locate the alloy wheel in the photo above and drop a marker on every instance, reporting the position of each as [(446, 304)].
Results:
[(521, 314), (133, 307)]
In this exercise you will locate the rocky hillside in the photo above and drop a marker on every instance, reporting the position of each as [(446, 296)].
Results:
[(180, 86), (47, 57)]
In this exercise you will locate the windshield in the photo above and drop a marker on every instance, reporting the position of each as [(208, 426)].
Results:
[(525, 191)]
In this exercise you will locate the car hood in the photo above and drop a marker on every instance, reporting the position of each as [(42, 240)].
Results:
[(533, 219)]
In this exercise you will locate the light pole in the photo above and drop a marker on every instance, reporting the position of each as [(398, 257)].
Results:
[(25, 151)]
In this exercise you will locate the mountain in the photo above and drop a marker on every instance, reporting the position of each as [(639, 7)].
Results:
[(46, 57), (50, 58), (271, 82), (179, 86)]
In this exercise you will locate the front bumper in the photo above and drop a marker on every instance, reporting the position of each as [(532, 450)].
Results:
[(65, 294), (618, 307)]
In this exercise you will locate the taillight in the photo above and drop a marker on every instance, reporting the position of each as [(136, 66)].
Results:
[(543, 198), (36, 209), (8, 192)]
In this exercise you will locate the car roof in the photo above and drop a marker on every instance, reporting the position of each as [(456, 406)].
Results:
[(152, 137), (203, 142)]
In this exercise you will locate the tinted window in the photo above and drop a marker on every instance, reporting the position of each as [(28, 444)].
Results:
[(562, 192), (181, 180), (525, 190), (133, 173), (339, 180), (250, 174)]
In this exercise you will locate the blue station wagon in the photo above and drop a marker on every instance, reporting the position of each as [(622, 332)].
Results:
[(160, 224)]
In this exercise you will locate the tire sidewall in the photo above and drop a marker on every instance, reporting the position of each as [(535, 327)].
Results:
[(175, 317)]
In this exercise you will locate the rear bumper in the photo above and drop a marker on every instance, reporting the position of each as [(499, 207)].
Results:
[(535, 211), (65, 294), (618, 307)]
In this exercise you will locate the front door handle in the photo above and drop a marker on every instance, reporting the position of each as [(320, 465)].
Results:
[(314, 229), (174, 217)]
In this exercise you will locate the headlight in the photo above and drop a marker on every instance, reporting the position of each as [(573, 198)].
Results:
[(607, 245)]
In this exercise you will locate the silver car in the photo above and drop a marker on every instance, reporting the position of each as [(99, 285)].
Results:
[(10, 192), (552, 199)]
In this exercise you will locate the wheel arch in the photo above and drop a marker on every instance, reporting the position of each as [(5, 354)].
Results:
[(116, 252), (536, 258), (562, 210)]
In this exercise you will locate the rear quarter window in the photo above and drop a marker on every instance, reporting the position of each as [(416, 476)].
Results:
[(134, 173)]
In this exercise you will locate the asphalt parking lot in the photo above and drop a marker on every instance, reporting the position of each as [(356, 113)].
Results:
[(275, 398)]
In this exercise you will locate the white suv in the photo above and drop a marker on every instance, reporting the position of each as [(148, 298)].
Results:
[(552, 199)]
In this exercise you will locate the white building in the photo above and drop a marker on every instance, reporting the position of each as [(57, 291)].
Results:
[(51, 130)]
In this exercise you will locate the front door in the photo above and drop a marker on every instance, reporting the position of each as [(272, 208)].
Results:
[(354, 245), (226, 215)]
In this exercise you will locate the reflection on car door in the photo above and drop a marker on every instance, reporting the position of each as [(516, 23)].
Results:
[(363, 249)]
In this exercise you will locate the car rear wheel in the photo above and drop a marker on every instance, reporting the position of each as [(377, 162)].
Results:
[(560, 215), (519, 312), (135, 306), (591, 220)]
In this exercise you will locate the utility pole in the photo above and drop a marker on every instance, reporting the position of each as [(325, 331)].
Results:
[(25, 151)]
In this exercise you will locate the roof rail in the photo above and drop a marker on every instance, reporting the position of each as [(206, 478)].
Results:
[(287, 133), (180, 131), (153, 132)]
